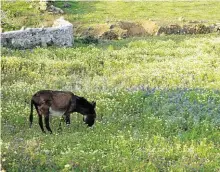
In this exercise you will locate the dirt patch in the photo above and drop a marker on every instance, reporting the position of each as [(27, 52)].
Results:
[(121, 29), (98, 30), (150, 27), (133, 29), (141, 28), (104, 31)]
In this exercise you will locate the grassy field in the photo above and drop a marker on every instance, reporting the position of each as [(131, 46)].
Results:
[(101, 12), (158, 106), (158, 98), (83, 14)]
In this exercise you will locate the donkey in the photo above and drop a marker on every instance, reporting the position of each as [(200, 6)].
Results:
[(61, 103)]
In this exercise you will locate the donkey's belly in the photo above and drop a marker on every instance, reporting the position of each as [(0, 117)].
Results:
[(55, 113)]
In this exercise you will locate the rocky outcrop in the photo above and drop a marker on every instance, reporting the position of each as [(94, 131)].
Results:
[(61, 34)]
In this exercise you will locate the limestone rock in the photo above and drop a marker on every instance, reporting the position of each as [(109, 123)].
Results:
[(59, 35)]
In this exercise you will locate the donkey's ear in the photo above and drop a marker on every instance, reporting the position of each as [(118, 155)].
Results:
[(93, 104)]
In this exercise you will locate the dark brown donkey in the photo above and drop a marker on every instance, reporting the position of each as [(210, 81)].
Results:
[(61, 103)]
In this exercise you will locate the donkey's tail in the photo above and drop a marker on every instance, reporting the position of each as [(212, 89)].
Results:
[(31, 113)]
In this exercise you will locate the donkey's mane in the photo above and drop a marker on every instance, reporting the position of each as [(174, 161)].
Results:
[(83, 101)]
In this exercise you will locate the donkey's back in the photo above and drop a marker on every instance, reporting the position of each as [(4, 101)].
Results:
[(56, 99)]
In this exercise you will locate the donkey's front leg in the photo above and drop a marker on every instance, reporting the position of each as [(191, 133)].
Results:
[(61, 120), (67, 115), (46, 118)]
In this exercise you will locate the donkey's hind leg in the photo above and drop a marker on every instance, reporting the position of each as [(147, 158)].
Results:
[(41, 123), (39, 112), (44, 109), (46, 119)]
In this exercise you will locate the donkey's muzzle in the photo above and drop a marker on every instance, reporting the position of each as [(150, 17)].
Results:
[(89, 121)]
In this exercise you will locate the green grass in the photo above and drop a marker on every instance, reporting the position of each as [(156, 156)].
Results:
[(158, 106), (100, 12), (92, 13), (17, 14), (158, 98)]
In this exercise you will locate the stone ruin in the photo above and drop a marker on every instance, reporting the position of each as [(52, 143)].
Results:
[(187, 29), (60, 34)]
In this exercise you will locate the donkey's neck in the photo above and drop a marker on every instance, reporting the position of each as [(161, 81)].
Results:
[(81, 111), (81, 106)]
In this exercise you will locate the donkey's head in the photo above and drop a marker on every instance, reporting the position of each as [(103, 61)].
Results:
[(89, 119), (87, 109)]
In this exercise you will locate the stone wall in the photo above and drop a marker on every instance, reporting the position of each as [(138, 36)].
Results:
[(60, 34)]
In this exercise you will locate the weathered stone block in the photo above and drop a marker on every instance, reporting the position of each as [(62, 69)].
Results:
[(61, 34)]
